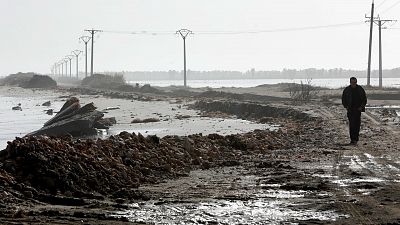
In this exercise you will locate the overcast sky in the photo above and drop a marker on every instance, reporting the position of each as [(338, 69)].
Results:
[(35, 34)]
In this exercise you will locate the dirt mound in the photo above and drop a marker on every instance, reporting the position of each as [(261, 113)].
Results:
[(122, 162), (104, 81), (17, 79), (29, 80), (240, 97), (148, 89), (183, 93), (39, 81), (251, 111)]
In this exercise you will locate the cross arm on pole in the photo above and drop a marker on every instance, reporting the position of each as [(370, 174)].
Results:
[(184, 32), (76, 52), (85, 39)]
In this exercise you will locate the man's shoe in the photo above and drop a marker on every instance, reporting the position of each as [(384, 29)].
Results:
[(353, 143)]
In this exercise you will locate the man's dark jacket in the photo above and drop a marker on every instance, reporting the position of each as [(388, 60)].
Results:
[(347, 98)]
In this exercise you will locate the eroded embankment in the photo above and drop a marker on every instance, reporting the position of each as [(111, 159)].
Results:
[(31, 167), (251, 111)]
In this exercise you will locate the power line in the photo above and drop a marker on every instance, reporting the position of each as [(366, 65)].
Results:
[(383, 2), (143, 32), (391, 7), (238, 31), (278, 30)]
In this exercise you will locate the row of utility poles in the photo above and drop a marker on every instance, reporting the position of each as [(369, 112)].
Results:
[(380, 22), (58, 67)]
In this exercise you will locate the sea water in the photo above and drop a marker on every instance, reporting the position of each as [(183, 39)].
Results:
[(18, 123), (326, 83)]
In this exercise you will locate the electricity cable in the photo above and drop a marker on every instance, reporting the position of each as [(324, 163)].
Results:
[(391, 7), (237, 32)]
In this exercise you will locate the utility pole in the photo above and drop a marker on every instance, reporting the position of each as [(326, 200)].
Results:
[(69, 57), (380, 23), (92, 32), (370, 44), (184, 33), (85, 40), (76, 53), (66, 66), (62, 67)]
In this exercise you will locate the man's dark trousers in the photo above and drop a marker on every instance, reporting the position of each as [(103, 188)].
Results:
[(354, 116)]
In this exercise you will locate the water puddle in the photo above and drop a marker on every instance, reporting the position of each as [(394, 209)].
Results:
[(259, 211), (347, 182), (229, 195)]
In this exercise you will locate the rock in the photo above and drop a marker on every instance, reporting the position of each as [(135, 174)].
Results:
[(105, 123), (49, 112), (111, 108), (48, 103), (154, 139), (18, 107), (19, 214), (148, 120)]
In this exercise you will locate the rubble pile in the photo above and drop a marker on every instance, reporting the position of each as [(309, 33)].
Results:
[(72, 119), (122, 162)]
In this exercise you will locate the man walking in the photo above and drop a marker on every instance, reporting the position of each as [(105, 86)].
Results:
[(354, 100)]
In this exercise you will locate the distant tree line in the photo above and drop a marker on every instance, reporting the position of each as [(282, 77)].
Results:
[(310, 73)]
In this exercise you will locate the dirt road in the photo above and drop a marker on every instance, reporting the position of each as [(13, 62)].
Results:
[(318, 181)]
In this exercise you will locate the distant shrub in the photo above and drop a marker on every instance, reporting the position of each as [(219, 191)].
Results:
[(303, 92), (104, 81)]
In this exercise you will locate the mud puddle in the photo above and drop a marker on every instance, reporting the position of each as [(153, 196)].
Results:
[(257, 211), (364, 174), (232, 195)]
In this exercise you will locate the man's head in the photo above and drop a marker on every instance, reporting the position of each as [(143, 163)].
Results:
[(353, 82)]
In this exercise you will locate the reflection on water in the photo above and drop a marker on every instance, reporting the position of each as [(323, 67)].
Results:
[(258, 211)]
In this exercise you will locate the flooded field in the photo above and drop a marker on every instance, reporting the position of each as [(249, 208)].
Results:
[(173, 118)]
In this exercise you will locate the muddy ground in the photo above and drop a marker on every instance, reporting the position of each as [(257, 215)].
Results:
[(304, 173)]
